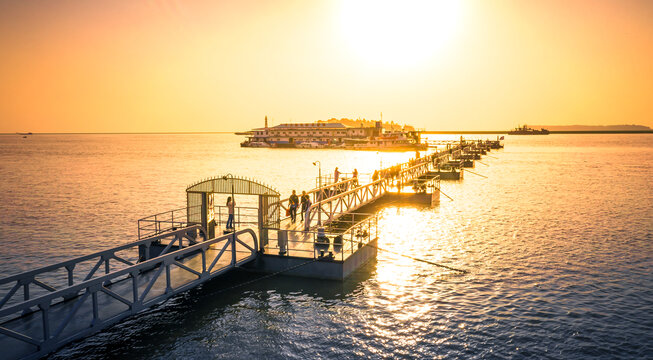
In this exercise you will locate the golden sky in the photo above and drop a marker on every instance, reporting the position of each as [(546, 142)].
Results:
[(172, 65)]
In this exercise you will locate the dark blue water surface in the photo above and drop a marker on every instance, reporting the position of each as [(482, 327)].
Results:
[(558, 241)]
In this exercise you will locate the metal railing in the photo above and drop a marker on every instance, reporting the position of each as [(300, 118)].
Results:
[(175, 219), (323, 192), (342, 240), (329, 209), (414, 172), (164, 222), (68, 273), (244, 216), (136, 287)]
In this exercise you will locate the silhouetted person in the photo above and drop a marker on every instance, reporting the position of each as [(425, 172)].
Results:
[(231, 203), (305, 199), (293, 201)]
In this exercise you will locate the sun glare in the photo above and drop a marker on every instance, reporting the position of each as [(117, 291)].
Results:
[(399, 33)]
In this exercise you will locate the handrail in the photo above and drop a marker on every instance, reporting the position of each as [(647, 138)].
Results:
[(322, 189), (146, 265), (55, 333), (94, 255), (363, 195), (29, 277), (364, 230)]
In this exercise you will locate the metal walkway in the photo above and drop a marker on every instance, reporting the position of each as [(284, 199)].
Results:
[(87, 302)]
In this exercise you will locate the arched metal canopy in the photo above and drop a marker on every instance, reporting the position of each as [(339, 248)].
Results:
[(223, 185)]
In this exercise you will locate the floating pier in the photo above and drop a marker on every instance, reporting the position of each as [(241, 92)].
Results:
[(46, 308)]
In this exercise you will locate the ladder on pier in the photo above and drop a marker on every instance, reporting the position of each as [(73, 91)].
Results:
[(76, 298)]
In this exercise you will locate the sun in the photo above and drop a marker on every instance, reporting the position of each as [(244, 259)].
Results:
[(399, 33)]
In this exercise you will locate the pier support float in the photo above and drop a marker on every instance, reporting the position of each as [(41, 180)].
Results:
[(318, 268)]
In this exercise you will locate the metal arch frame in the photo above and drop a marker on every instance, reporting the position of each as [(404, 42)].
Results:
[(196, 195), (104, 257), (52, 338), (241, 186)]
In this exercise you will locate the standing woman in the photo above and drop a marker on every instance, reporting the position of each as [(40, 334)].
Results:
[(231, 203), (306, 213), (305, 200), (294, 202)]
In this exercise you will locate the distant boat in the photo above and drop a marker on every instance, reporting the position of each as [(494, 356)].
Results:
[(525, 130), (310, 145), (20, 133)]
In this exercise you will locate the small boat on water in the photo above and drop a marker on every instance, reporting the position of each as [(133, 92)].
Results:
[(310, 145), (525, 130), (255, 144)]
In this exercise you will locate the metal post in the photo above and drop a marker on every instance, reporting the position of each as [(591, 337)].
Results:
[(233, 234)]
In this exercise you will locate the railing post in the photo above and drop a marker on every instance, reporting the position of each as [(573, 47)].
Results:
[(96, 310), (70, 269), (26, 290), (233, 248), (45, 307), (134, 275)]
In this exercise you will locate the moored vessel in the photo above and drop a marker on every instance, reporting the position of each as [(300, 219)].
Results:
[(525, 130)]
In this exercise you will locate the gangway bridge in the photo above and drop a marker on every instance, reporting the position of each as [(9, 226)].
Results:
[(46, 308)]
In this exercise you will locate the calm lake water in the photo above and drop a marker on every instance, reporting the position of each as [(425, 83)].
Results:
[(558, 241)]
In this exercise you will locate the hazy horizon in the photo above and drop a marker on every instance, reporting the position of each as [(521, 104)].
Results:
[(167, 66)]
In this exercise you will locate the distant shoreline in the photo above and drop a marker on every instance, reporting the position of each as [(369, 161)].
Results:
[(124, 133), (550, 132), (423, 132)]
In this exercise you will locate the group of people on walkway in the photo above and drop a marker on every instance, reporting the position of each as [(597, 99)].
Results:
[(294, 202), (337, 173)]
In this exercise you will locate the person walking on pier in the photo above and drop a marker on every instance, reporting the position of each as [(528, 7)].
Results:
[(305, 213), (293, 201), (231, 203), (305, 200), (355, 176), (336, 175)]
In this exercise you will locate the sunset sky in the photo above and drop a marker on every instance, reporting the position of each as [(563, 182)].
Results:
[(172, 65)]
